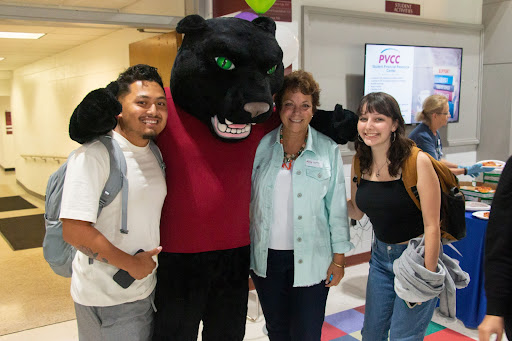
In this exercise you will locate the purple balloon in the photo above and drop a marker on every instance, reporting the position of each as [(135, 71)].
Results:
[(246, 16)]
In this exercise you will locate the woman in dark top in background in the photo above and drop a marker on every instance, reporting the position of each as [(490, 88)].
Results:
[(381, 148), (498, 261)]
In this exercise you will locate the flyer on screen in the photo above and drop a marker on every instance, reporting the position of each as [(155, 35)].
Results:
[(412, 73)]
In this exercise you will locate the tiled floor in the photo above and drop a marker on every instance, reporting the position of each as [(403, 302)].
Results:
[(346, 326), (348, 295), (344, 298)]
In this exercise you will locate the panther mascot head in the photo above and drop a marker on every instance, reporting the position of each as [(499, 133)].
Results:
[(226, 71)]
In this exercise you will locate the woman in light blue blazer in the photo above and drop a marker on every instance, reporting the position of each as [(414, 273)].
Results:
[(299, 222)]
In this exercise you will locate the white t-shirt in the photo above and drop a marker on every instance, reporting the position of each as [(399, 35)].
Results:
[(87, 172), (281, 228)]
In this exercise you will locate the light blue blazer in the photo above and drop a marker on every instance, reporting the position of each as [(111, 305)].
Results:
[(320, 220)]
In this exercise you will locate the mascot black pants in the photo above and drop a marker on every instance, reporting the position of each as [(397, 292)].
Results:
[(208, 286), (508, 326)]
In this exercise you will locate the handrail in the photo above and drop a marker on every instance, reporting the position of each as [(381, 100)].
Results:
[(44, 157)]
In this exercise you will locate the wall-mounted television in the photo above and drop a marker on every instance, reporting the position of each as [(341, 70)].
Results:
[(412, 73)]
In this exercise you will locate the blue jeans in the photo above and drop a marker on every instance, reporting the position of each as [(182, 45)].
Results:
[(291, 313), (385, 312)]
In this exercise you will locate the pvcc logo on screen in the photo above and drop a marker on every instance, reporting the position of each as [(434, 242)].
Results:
[(389, 56)]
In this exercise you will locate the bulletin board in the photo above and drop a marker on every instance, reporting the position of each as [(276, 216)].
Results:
[(333, 43)]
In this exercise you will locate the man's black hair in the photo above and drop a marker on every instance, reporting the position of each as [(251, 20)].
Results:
[(139, 72)]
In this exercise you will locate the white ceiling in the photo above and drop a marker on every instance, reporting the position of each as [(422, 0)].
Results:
[(70, 23)]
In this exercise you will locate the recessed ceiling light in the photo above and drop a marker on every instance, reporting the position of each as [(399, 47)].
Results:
[(21, 35), (2, 58)]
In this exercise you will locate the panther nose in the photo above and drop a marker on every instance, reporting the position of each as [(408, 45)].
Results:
[(256, 108)]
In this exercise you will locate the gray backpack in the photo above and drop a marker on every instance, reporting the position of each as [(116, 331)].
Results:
[(57, 252)]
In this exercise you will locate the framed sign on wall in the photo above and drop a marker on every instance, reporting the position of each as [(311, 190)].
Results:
[(8, 123)]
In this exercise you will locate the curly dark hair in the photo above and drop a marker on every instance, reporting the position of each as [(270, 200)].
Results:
[(299, 80), (400, 148), (139, 72)]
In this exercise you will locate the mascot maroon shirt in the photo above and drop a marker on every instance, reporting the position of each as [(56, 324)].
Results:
[(222, 82), (209, 185)]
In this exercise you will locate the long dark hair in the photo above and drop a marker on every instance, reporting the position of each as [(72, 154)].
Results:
[(400, 147)]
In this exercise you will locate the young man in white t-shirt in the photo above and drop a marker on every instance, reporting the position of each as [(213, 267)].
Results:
[(104, 309)]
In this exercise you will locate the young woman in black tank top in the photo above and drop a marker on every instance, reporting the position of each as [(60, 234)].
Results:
[(382, 148)]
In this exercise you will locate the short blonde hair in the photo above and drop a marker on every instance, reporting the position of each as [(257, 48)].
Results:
[(433, 104)]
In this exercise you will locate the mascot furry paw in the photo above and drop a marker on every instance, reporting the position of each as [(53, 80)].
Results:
[(340, 124), (96, 115), (222, 83)]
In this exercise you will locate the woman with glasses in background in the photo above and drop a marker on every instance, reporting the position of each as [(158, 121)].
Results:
[(435, 114)]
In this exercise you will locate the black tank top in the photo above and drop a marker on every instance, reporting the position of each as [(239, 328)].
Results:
[(394, 216)]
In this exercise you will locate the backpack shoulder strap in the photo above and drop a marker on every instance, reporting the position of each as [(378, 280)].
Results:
[(447, 179), (158, 155), (116, 181), (410, 176), (357, 171)]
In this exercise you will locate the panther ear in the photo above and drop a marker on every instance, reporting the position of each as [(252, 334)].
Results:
[(266, 23), (191, 23)]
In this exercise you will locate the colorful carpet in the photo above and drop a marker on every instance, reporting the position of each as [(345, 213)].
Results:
[(346, 326)]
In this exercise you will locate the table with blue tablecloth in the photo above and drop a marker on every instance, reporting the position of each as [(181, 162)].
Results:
[(471, 301)]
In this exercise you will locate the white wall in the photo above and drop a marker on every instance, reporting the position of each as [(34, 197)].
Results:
[(7, 152), (5, 83), (496, 126), (45, 93)]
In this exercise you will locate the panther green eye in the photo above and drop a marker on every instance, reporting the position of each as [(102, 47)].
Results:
[(224, 63), (272, 70)]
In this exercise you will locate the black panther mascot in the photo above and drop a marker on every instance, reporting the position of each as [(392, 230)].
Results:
[(220, 106)]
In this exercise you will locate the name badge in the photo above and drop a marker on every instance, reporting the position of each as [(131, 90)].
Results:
[(314, 163)]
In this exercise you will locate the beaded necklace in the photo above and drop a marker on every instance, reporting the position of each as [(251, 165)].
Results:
[(289, 158)]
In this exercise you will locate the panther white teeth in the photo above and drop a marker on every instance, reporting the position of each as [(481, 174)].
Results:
[(230, 129), (222, 127)]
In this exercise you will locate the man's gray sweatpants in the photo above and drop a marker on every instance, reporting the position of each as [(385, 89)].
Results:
[(123, 322)]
